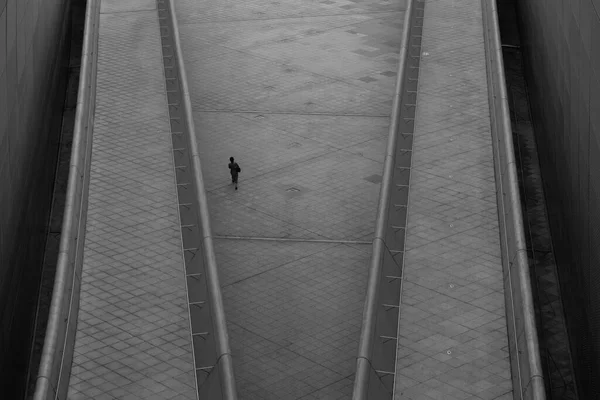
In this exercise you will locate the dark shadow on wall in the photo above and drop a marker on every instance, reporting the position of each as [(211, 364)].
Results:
[(561, 45), (559, 376), (35, 79)]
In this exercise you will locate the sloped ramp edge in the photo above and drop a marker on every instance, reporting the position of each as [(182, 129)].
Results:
[(52, 381), (219, 383), (374, 378), (525, 361)]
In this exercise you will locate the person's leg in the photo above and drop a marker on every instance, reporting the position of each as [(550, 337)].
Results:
[(235, 180)]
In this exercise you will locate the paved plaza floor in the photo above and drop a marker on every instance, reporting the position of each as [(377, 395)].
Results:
[(300, 93)]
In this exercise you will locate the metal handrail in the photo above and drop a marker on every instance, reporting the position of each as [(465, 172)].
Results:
[(53, 375), (367, 335), (224, 359), (527, 374)]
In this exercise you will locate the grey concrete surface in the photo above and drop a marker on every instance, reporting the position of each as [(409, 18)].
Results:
[(133, 333), (561, 44), (452, 331), (300, 93), (32, 87)]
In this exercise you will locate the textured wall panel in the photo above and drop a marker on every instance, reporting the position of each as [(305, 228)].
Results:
[(562, 44), (32, 54)]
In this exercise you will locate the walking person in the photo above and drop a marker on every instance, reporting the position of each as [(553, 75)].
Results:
[(234, 169)]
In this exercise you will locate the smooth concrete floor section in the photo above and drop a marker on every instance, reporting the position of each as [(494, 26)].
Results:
[(453, 341), (133, 337), (300, 93)]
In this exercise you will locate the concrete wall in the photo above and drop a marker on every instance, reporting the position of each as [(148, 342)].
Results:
[(562, 48), (32, 72)]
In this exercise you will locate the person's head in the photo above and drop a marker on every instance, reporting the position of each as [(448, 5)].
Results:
[(231, 159)]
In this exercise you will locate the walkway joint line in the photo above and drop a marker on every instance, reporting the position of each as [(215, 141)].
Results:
[(266, 112), (275, 239)]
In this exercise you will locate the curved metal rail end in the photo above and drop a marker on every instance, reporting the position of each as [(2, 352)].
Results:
[(224, 363), (52, 381), (373, 381), (526, 370)]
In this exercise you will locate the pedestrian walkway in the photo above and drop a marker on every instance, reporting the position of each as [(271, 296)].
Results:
[(133, 333), (453, 341)]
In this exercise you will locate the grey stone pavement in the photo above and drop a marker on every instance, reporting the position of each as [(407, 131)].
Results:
[(133, 337), (452, 332), (300, 93)]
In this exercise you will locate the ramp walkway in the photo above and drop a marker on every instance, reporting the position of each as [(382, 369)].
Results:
[(453, 339), (302, 95), (133, 332)]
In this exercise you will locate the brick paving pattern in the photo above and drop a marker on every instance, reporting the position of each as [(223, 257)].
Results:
[(300, 93), (452, 333), (133, 337)]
